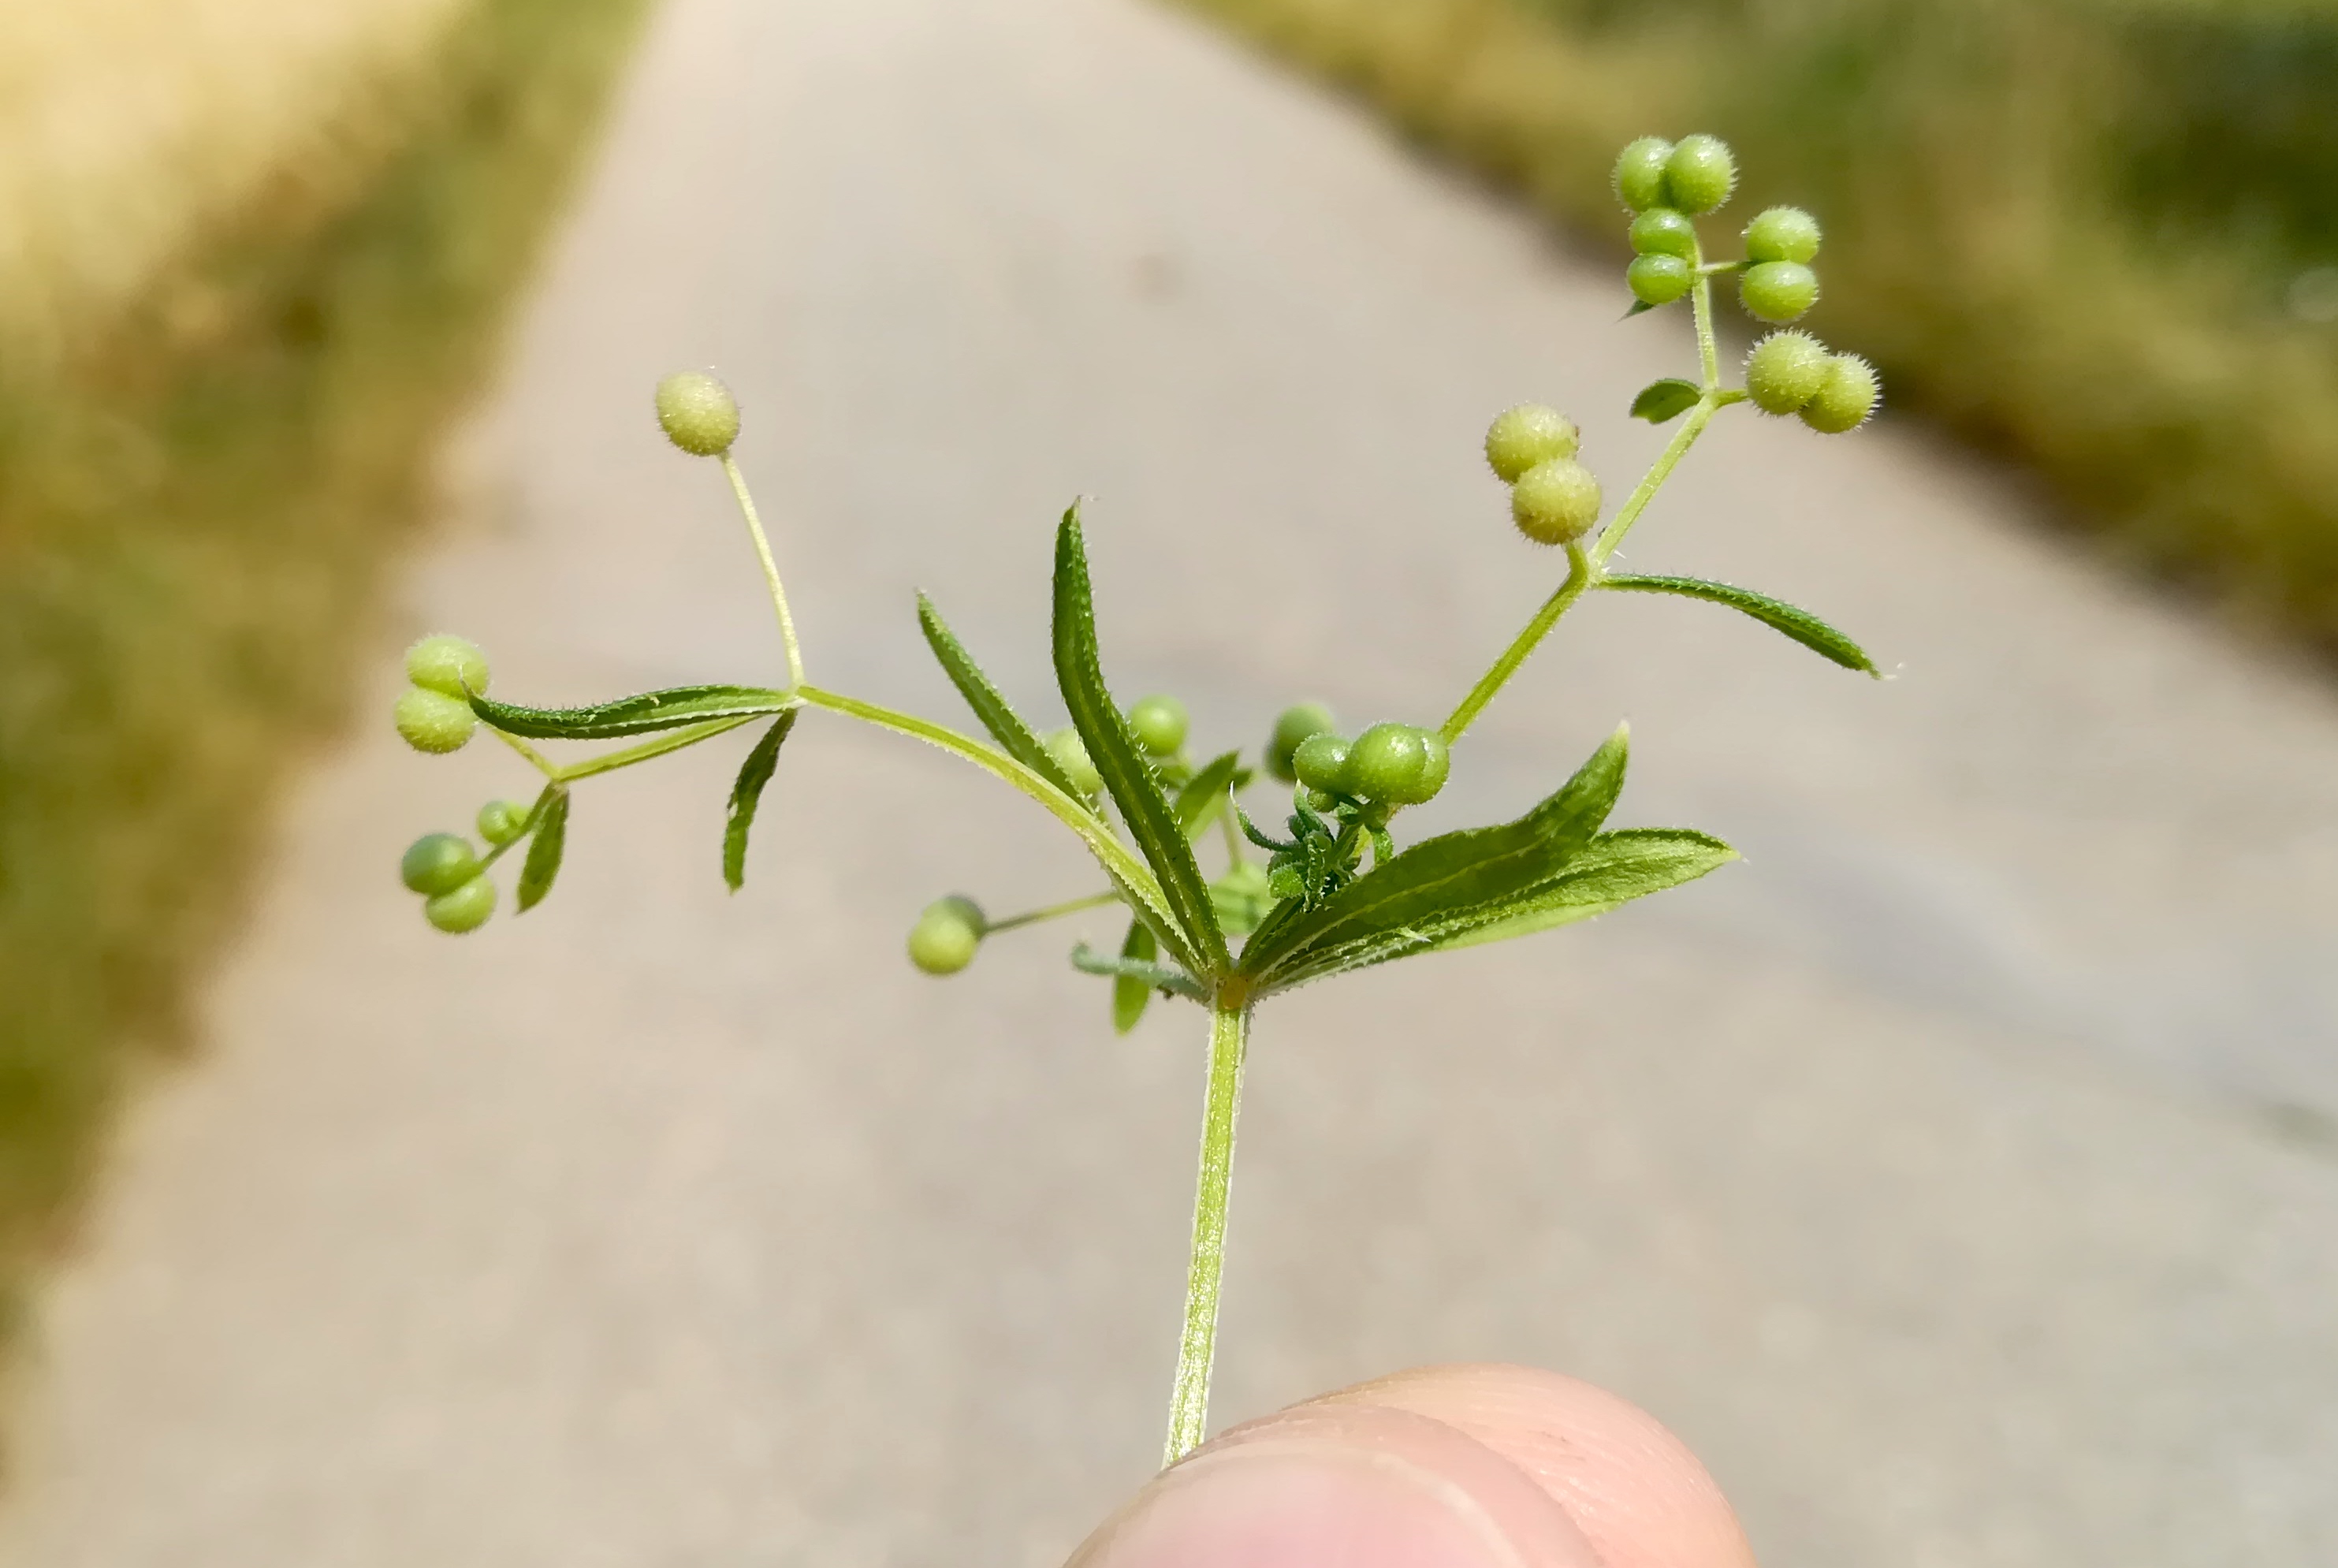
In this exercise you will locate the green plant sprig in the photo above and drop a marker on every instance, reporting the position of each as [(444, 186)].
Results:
[(1336, 893)]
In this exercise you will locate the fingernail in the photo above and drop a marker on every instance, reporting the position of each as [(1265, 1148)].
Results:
[(1379, 1491)]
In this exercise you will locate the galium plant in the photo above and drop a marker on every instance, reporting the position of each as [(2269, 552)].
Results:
[(1333, 890)]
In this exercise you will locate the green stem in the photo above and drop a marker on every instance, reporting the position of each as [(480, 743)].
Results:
[(671, 741), (771, 569), (1708, 351), (1579, 578), (1653, 480), (1189, 1405), (1053, 911), (536, 759)]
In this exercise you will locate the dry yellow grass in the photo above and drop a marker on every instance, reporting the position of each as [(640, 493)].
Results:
[(130, 128)]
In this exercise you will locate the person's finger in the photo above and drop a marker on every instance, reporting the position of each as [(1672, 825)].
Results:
[(1629, 1485), (1453, 1468)]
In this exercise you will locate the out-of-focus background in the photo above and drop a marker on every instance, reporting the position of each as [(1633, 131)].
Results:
[(1958, 1175)]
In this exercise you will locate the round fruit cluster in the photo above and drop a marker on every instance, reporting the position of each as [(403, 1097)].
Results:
[(1794, 373), (1390, 763), (1554, 498), (1666, 184), (443, 867)]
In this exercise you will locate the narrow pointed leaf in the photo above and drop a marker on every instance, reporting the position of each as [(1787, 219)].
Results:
[(1436, 884), (1130, 996), (1127, 777), (549, 842), (634, 715), (1158, 976), (1666, 400), (1130, 876), (1800, 625), (1203, 795), (747, 794), (1007, 727), (1639, 308), (1613, 870)]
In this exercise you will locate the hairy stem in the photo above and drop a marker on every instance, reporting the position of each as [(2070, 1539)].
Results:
[(671, 741), (1579, 578), (771, 569), (1189, 1403), (1054, 910), (1653, 480), (536, 759)]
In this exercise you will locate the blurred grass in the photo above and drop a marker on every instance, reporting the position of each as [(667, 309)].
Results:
[(2097, 235), (198, 498)]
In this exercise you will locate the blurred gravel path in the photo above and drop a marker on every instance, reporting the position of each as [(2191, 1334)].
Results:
[(1956, 1174)]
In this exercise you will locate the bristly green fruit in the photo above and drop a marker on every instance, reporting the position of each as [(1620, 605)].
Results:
[(501, 821), (1556, 502), (434, 722), (1785, 371), (1778, 291), (1528, 434), (1846, 399), (1321, 762), (1658, 280), (697, 413), (1388, 763), (466, 909), (1436, 769), (447, 664), (1071, 754), (1293, 725), (1699, 174), (947, 936), (1160, 723), (1639, 175), (437, 862), (1661, 231), (1782, 235)]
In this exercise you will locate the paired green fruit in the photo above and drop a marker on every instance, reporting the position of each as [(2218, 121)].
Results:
[(1846, 397), (1660, 279), (697, 413), (1782, 235), (1293, 726), (466, 909), (451, 666), (1516, 440), (437, 862), (1778, 291), (947, 936), (1400, 763), (1640, 174), (1699, 174), (1160, 724), (1071, 754), (501, 821), (432, 721), (1321, 762), (1663, 231), (1785, 371), (1557, 502)]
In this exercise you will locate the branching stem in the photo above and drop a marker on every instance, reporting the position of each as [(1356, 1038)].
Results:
[(1053, 911), (771, 569), (1189, 1404)]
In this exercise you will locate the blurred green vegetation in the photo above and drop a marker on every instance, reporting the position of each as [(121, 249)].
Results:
[(195, 514), (2099, 235)]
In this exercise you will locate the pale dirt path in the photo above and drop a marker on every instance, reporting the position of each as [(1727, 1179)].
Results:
[(1917, 1170)]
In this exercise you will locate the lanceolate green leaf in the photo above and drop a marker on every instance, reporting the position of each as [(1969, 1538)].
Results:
[(1437, 886), (747, 794), (633, 715), (1613, 870), (549, 842), (1127, 776), (1201, 797), (1800, 625), (1005, 725), (1130, 876), (1131, 995), (1666, 400)]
